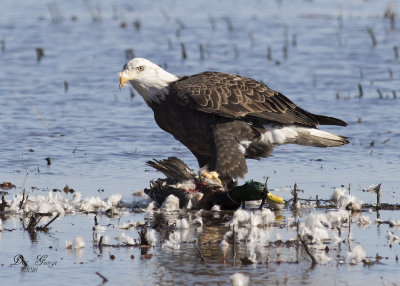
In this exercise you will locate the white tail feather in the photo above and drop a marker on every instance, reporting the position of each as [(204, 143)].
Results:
[(302, 136)]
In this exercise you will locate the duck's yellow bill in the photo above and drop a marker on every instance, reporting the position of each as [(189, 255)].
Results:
[(275, 199)]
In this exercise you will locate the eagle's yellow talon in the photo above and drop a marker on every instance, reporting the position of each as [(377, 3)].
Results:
[(211, 176)]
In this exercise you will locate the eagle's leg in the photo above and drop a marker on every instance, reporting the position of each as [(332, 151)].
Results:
[(227, 158)]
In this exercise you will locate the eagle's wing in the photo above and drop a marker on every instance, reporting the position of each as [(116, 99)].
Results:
[(240, 97)]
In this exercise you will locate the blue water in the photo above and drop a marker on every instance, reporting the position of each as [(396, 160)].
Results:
[(99, 138)]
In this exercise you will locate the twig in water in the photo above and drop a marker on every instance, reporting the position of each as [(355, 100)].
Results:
[(23, 199), (360, 89), (178, 33), (380, 93), (307, 249), (294, 194), (212, 22), (101, 244), (390, 13), (361, 72), (65, 86), (129, 54), (392, 21), (391, 224), (378, 195), (294, 40), (348, 234), (132, 94), (142, 235), (3, 45), (340, 18), (137, 24), (285, 42), (184, 54), (3, 204), (45, 227), (396, 52), (23, 162), (252, 41), (199, 250), (372, 35), (286, 36), (285, 52), (180, 24), (170, 45), (235, 51), (105, 280), (269, 53), (33, 222), (201, 49), (228, 23), (39, 54)]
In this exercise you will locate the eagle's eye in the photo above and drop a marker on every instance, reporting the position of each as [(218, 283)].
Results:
[(140, 69)]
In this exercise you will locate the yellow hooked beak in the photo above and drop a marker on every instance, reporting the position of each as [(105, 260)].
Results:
[(123, 79), (275, 199)]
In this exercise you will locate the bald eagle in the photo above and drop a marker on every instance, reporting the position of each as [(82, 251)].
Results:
[(223, 119)]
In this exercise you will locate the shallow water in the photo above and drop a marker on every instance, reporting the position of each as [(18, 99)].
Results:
[(98, 138)]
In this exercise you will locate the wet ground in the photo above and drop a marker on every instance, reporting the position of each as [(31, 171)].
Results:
[(66, 106)]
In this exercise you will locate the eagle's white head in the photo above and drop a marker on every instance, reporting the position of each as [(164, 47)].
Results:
[(147, 78)]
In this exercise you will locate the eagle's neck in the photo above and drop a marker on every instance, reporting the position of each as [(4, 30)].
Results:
[(154, 89)]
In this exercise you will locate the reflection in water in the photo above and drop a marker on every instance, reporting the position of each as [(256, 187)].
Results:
[(78, 253)]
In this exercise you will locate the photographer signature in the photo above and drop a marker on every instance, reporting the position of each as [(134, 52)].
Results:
[(40, 261)]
